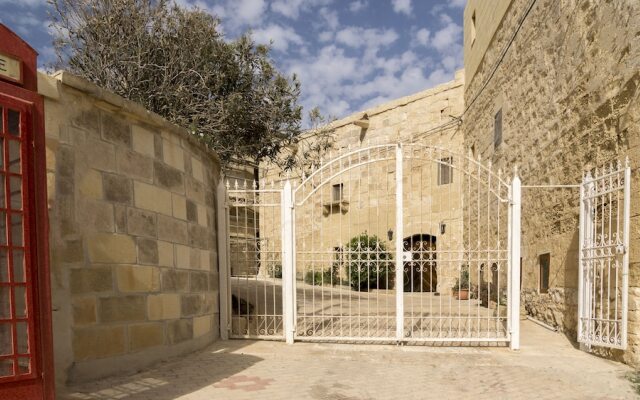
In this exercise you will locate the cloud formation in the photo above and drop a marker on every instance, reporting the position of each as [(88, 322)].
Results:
[(402, 6), (349, 55)]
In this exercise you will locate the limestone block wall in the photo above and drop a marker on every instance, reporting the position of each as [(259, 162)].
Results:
[(133, 233), (568, 91)]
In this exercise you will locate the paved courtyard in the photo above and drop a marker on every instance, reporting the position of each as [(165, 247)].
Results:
[(547, 367), (330, 311)]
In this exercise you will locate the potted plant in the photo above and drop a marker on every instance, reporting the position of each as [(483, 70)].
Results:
[(461, 288)]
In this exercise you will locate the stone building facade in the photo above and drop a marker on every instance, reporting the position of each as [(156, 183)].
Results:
[(133, 233), (561, 78), (361, 200)]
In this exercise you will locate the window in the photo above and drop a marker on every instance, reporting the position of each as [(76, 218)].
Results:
[(473, 28), (445, 171), (545, 260), (497, 129), (337, 192)]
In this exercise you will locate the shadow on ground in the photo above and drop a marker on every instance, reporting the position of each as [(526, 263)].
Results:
[(175, 377)]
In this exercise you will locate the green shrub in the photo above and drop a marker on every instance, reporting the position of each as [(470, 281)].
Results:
[(463, 281), (320, 277), (368, 263)]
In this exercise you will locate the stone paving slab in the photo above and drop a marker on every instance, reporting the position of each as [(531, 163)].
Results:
[(547, 367)]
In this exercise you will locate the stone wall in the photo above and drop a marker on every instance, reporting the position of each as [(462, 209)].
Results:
[(568, 90), (133, 233)]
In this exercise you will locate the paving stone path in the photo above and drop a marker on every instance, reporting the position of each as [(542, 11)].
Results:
[(547, 367)]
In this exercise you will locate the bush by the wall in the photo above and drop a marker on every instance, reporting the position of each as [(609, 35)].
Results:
[(368, 263), (320, 277)]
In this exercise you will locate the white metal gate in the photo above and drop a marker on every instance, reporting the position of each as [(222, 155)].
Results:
[(604, 256), (388, 243)]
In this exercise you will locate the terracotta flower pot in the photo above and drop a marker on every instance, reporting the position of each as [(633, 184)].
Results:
[(463, 294)]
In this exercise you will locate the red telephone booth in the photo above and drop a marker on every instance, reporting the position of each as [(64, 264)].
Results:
[(26, 359)]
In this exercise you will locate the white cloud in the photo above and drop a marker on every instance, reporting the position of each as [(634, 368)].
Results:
[(288, 8), (341, 81), (325, 36), (235, 14), (447, 36), (402, 6), (422, 36), (354, 36), (330, 18), (24, 23), (325, 76), (249, 10), (25, 3), (457, 3), (282, 37), (293, 8), (358, 5)]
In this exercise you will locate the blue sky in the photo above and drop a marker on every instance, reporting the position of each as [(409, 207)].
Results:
[(349, 54)]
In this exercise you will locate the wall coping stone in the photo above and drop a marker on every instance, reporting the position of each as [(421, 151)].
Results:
[(49, 86)]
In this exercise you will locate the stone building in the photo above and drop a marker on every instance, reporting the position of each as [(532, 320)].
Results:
[(552, 87), (361, 200)]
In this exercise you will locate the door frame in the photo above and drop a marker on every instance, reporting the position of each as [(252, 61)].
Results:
[(25, 93)]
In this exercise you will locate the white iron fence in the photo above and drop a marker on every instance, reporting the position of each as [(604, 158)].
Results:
[(604, 256), (388, 243)]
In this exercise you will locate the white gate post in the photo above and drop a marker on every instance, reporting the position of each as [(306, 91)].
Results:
[(514, 261), (581, 222), (585, 235), (625, 257), (224, 283), (399, 249), (288, 267)]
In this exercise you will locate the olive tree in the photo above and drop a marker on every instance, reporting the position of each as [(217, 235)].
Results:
[(176, 62)]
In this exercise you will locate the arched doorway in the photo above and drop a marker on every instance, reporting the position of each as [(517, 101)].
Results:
[(421, 273)]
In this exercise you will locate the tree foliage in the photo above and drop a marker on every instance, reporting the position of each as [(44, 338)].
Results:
[(176, 62)]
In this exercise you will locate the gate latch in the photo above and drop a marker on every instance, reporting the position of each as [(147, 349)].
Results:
[(407, 256), (621, 249)]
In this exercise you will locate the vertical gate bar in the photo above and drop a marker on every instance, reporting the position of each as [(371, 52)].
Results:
[(399, 238), (294, 263), (589, 240), (625, 257), (509, 253), (224, 282), (288, 269), (514, 343), (581, 258)]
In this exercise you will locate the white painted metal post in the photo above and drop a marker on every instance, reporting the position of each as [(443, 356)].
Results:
[(514, 259), (625, 257), (584, 298), (288, 268), (581, 258), (224, 283), (399, 249)]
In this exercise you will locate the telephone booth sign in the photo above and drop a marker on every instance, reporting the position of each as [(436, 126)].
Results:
[(26, 358)]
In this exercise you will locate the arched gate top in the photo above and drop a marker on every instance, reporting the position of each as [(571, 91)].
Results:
[(471, 167)]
